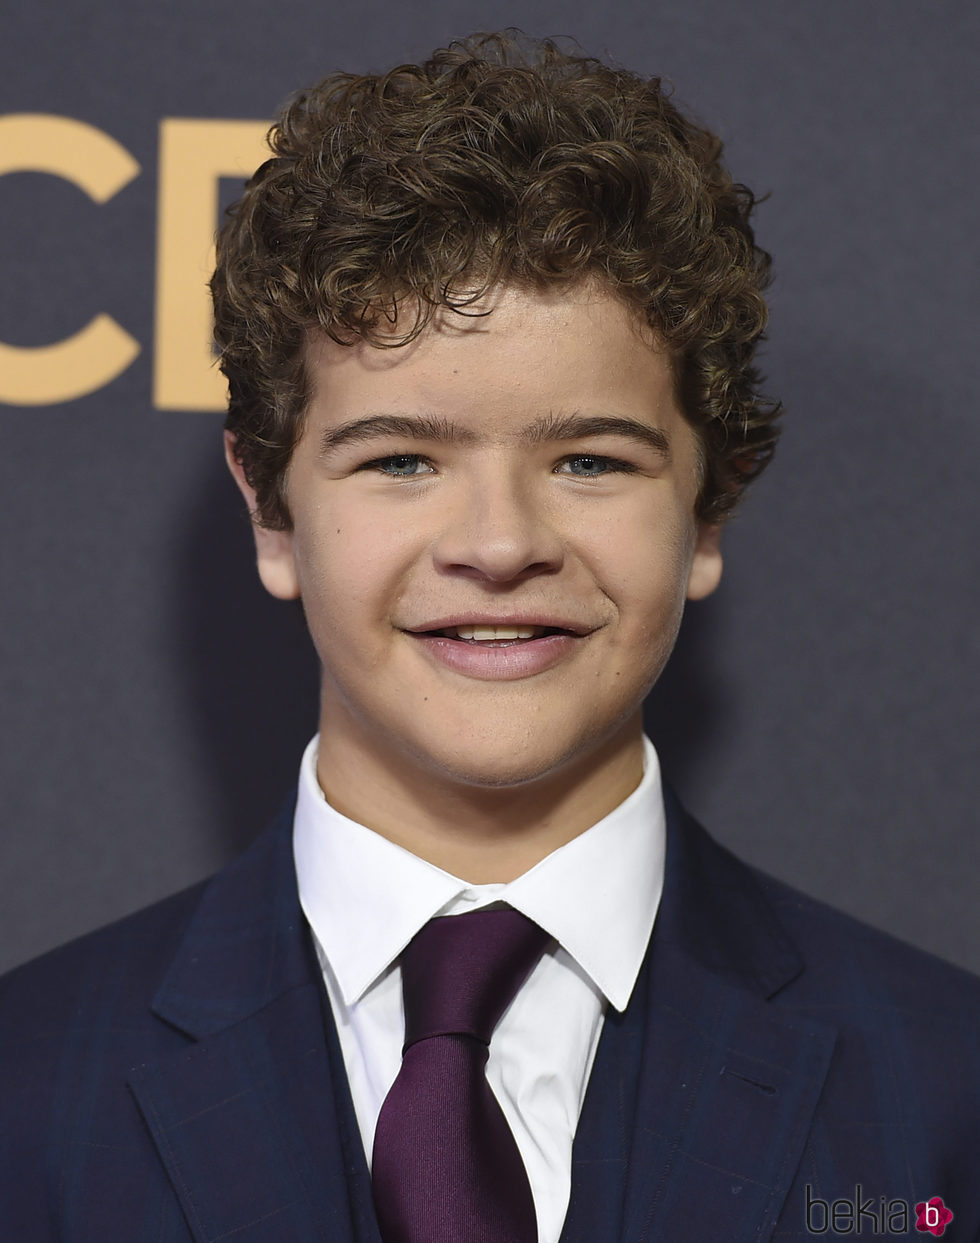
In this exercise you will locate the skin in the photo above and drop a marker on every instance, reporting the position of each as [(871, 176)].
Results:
[(485, 777)]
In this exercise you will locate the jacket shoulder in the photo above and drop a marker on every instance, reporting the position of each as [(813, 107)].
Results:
[(840, 950), (133, 950)]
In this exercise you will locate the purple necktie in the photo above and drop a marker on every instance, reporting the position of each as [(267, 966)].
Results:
[(446, 1168)]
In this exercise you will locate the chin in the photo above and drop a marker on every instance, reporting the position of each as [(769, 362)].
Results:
[(506, 761), (487, 768)]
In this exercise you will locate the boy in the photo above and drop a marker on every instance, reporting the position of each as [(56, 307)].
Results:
[(488, 325)]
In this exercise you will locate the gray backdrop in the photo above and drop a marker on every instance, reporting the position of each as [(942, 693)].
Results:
[(820, 714)]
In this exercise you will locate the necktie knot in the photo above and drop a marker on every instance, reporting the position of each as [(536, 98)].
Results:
[(461, 972)]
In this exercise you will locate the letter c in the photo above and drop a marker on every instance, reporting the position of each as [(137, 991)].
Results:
[(97, 164)]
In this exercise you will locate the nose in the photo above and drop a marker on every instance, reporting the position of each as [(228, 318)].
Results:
[(498, 529)]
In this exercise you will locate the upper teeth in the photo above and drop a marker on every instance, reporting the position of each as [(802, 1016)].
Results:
[(493, 632)]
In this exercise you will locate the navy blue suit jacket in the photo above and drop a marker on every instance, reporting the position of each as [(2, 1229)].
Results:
[(176, 1076)]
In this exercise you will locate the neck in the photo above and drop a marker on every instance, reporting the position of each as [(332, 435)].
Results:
[(482, 834)]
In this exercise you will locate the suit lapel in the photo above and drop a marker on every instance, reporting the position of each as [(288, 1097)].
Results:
[(703, 1091), (252, 1122)]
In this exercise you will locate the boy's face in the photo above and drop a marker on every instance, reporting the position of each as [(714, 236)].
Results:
[(530, 468)]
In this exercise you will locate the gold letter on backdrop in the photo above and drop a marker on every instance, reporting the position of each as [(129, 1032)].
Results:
[(194, 154), (97, 164)]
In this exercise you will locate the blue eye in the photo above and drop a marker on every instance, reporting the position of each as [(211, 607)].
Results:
[(592, 466), (400, 465)]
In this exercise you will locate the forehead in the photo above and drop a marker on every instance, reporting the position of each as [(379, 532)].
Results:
[(540, 349)]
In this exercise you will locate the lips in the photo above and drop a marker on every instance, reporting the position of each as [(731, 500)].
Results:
[(479, 627), (495, 649), (496, 634), (501, 647)]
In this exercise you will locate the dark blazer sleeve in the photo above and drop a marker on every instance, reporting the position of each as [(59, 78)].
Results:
[(175, 1077), (73, 1024), (900, 1112)]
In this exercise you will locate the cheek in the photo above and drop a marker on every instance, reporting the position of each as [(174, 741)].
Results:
[(350, 571), (643, 562)]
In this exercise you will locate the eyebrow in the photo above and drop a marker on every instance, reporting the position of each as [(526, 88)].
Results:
[(576, 426), (375, 426), (552, 427)]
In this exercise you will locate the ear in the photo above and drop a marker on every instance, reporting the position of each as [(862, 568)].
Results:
[(706, 563), (273, 549)]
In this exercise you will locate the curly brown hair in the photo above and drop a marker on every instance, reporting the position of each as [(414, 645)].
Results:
[(498, 160)]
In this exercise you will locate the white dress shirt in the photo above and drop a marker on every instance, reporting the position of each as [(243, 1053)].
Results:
[(365, 898)]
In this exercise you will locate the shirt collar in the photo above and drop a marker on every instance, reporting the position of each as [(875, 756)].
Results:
[(365, 898)]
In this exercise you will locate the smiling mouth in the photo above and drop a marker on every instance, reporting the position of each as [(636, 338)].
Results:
[(498, 651), (495, 636)]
